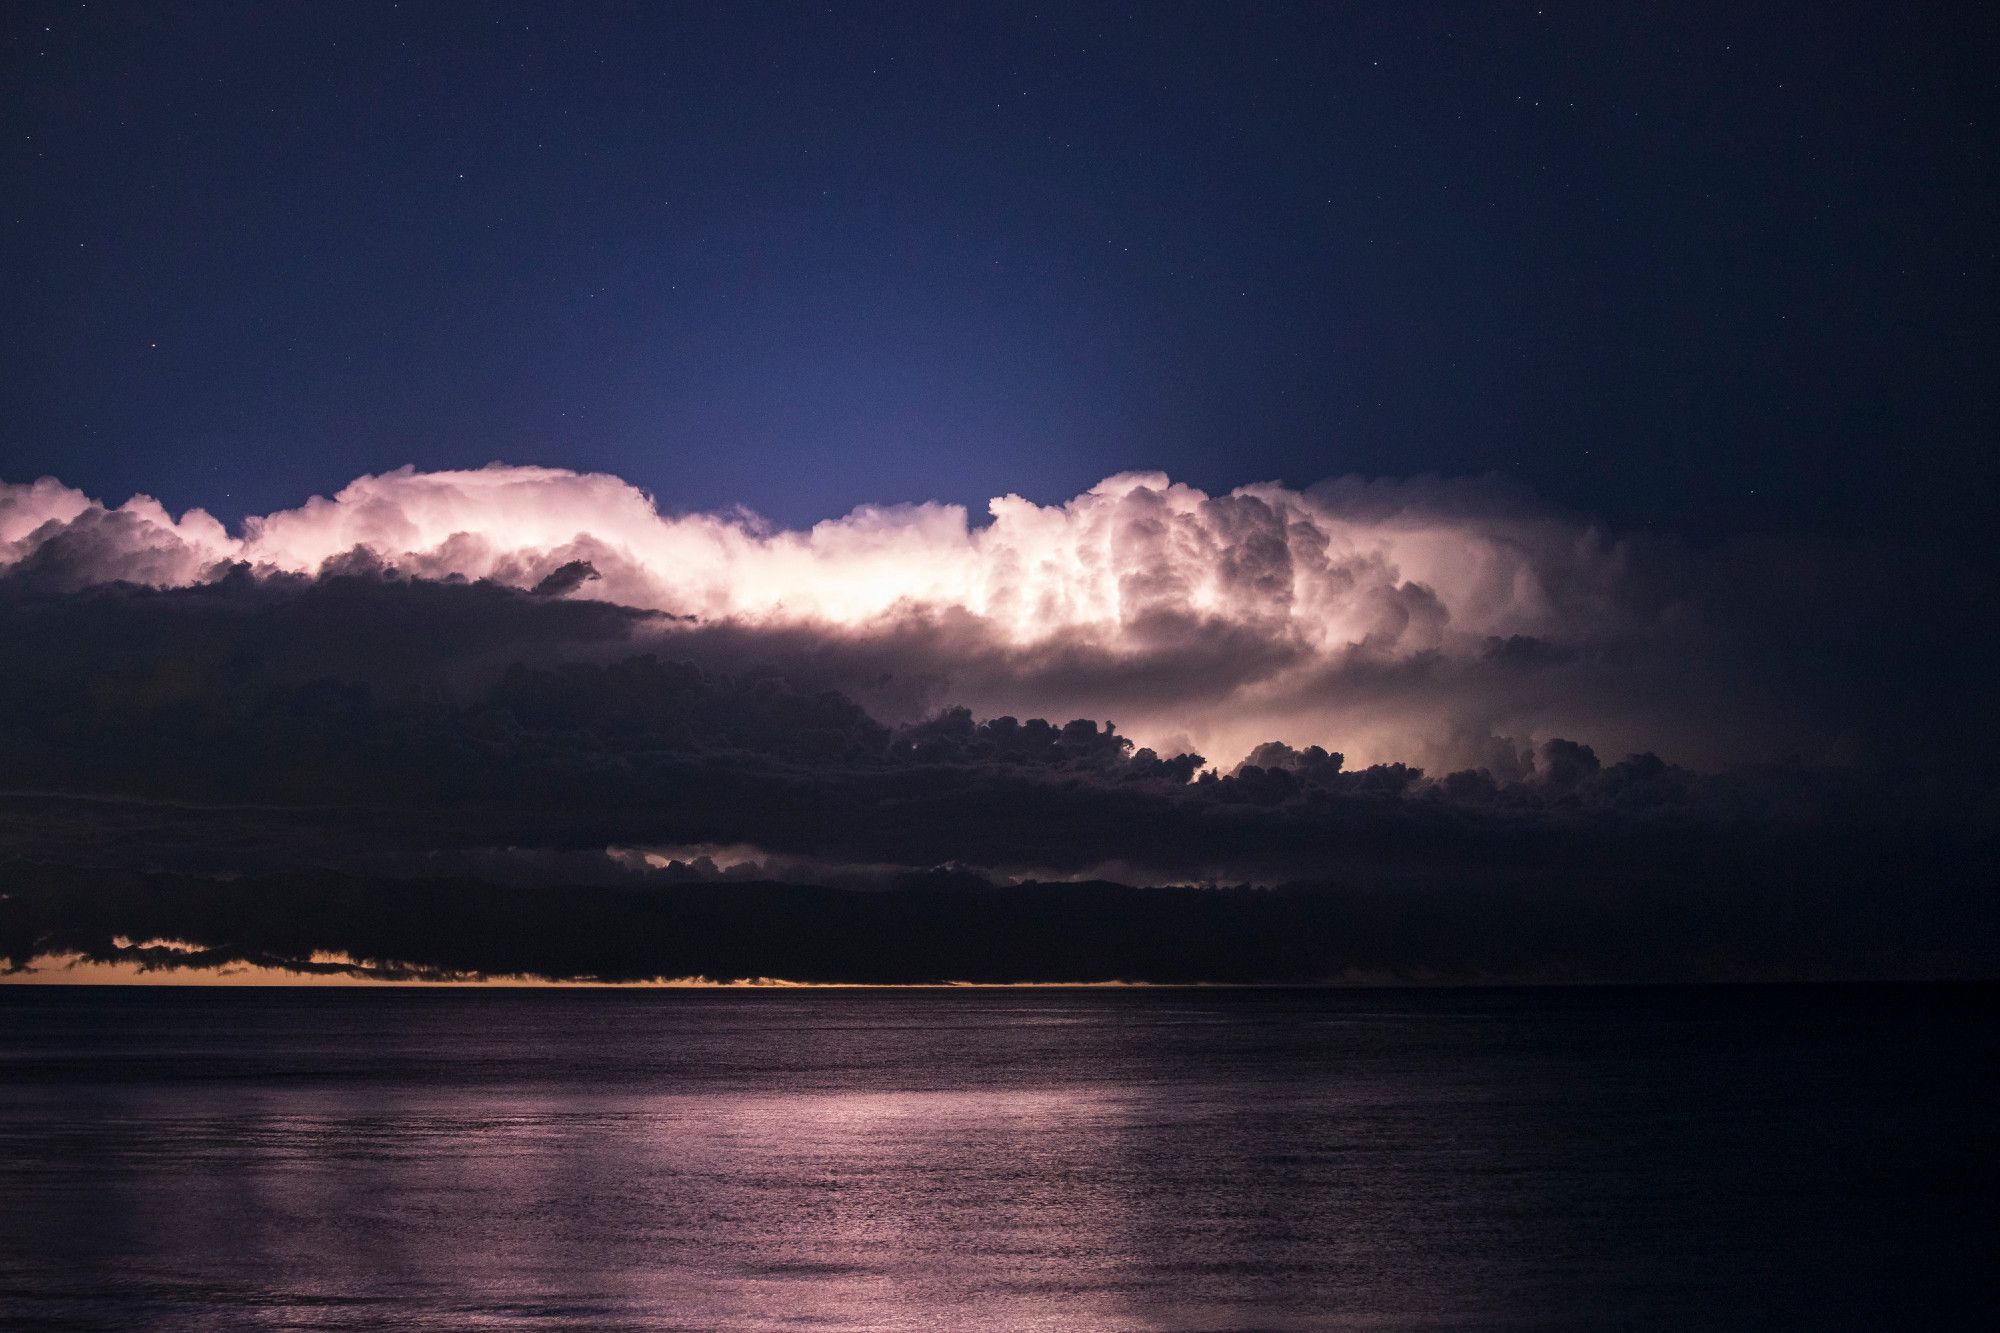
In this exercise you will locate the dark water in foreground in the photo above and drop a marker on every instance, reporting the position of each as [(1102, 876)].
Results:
[(1673, 1159)]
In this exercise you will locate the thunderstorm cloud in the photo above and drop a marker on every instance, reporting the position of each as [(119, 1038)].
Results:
[(1453, 622), (520, 720)]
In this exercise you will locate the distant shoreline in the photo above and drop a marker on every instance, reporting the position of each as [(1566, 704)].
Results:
[(272, 979)]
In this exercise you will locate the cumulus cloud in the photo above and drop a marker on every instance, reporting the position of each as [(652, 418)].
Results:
[(1430, 619), (442, 774), (1400, 568)]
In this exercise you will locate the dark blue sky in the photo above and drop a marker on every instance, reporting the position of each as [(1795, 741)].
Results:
[(1707, 269)]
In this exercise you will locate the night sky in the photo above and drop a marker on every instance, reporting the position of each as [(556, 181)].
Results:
[(1478, 493), (1691, 267)]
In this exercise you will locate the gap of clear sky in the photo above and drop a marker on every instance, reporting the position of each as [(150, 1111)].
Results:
[(1694, 267)]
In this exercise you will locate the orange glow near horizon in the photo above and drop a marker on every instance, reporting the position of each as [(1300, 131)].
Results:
[(74, 970)]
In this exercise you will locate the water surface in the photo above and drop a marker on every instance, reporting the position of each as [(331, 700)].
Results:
[(1184, 1160)]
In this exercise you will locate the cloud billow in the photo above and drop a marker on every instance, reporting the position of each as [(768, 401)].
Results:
[(529, 684), (1395, 620)]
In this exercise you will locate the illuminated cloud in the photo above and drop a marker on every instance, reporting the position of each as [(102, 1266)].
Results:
[(1447, 622), (1400, 568), (427, 729)]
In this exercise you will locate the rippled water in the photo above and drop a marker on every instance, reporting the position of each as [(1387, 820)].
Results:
[(1670, 1159)]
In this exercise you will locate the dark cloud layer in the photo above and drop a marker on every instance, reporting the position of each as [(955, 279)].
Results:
[(453, 776), (1562, 926)]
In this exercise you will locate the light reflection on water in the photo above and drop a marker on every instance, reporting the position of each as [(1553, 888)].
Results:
[(957, 1160)]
